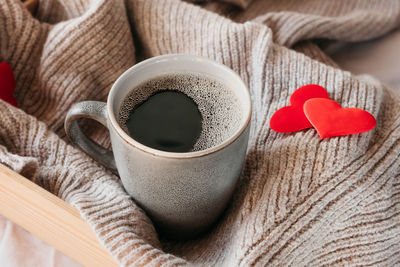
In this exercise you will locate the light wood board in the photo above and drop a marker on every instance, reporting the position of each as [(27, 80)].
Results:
[(51, 219)]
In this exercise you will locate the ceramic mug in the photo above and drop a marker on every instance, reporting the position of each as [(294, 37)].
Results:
[(183, 193)]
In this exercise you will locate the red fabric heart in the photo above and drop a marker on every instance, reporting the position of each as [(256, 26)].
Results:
[(330, 119), (291, 118), (7, 84)]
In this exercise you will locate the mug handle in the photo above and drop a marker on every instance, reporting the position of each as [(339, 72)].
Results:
[(97, 111)]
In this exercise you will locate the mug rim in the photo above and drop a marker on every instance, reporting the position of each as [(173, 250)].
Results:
[(176, 155)]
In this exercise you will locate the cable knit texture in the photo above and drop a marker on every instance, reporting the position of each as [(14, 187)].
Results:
[(300, 201)]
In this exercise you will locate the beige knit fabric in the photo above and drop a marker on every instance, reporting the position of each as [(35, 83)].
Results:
[(301, 201)]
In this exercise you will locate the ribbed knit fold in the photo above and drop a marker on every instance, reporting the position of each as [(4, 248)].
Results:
[(300, 201)]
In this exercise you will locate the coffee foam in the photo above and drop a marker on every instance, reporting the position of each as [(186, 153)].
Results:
[(219, 106)]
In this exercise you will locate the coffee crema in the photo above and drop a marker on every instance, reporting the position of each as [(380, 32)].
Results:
[(220, 112)]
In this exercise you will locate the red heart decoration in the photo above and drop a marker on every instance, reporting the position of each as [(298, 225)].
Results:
[(7, 84), (292, 118), (330, 119)]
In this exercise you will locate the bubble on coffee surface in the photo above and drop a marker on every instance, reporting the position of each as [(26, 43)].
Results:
[(219, 107)]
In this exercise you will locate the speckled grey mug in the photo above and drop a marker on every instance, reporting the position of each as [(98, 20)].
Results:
[(183, 193)]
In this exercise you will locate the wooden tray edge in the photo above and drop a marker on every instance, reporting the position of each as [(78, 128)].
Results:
[(51, 219)]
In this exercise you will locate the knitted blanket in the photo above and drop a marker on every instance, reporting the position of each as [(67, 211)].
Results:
[(300, 201)]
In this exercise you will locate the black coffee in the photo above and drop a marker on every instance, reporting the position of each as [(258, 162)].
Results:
[(168, 112), (167, 120)]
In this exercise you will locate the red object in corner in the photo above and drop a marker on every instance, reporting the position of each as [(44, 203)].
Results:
[(292, 118), (330, 119), (7, 84)]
